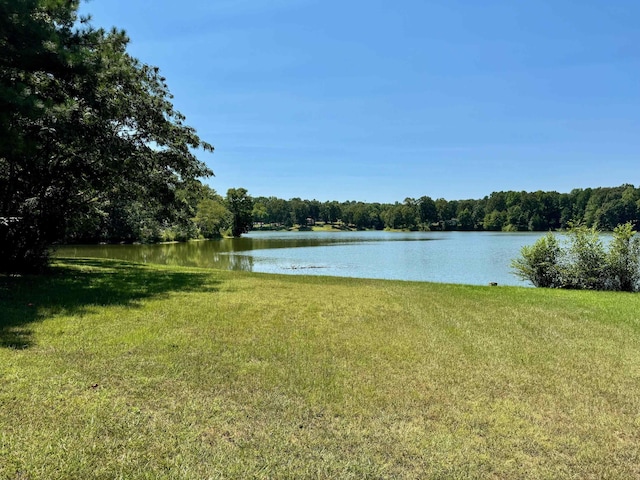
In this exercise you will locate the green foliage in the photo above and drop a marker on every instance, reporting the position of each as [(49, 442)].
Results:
[(623, 260), (585, 266), (427, 210), (259, 212), (240, 205), (501, 211), (330, 212), (89, 134), (539, 263), (583, 262), (465, 220), (494, 220), (213, 218), (299, 211), (394, 216)]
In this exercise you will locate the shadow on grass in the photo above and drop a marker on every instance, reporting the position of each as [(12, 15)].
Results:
[(79, 284)]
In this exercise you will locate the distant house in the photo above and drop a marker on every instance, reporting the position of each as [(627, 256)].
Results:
[(310, 221)]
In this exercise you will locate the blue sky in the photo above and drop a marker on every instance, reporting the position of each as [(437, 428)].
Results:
[(378, 100)]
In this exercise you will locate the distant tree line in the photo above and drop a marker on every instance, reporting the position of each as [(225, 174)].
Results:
[(604, 207), (197, 211)]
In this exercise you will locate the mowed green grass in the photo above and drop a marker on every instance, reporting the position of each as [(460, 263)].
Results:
[(114, 370)]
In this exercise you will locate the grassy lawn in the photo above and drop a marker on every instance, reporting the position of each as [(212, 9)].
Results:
[(113, 370)]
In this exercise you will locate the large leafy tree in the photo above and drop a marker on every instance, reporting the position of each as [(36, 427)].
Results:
[(81, 123), (213, 219), (240, 205)]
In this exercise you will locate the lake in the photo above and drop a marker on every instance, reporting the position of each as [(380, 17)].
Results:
[(474, 258)]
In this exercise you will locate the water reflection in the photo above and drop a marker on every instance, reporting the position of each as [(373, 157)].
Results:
[(456, 257), (225, 253), (207, 253)]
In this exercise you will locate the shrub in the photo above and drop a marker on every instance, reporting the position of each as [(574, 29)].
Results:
[(623, 260), (539, 262), (583, 262)]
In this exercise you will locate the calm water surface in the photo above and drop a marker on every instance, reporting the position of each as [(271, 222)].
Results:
[(475, 258)]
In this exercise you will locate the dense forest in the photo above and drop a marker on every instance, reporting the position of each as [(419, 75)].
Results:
[(604, 207), (201, 212)]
